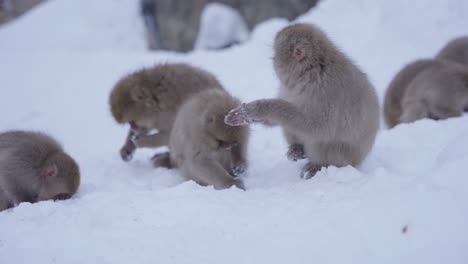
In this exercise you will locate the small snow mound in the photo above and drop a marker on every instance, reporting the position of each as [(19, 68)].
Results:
[(220, 26)]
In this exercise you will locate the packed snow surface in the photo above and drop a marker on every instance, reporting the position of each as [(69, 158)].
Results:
[(407, 203)]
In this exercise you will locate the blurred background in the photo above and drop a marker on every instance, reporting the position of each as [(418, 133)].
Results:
[(182, 25)]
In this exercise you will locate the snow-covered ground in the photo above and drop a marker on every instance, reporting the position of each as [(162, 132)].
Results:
[(407, 203)]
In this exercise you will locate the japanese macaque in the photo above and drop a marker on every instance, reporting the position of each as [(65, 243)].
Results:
[(456, 51), (430, 88), (439, 91), (150, 98), (205, 149), (327, 108), (34, 167), (397, 88)]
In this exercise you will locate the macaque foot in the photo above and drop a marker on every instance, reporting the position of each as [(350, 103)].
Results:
[(239, 116), (295, 152), (126, 152), (239, 168), (310, 170), (162, 160)]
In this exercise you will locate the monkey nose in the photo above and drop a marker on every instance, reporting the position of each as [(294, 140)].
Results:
[(62, 196)]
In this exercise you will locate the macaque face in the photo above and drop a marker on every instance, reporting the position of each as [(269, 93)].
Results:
[(224, 136), (59, 179)]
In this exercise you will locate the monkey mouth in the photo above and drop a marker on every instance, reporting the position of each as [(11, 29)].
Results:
[(226, 144), (134, 126), (62, 196)]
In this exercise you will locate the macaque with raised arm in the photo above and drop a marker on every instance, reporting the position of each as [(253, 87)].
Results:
[(205, 149), (150, 98), (327, 108), (34, 167)]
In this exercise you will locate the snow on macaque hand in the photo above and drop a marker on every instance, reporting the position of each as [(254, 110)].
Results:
[(239, 116)]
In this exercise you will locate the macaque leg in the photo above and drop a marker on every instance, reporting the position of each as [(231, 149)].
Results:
[(127, 150), (295, 149), (444, 112), (162, 160), (152, 141), (210, 172), (413, 111), (239, 161)]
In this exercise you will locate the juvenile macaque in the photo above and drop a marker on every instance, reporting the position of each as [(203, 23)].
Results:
[(150, 98), (205, 149), (456, 50), (440, 91), (430, 88), (327, 108), (397, 88), (34, 167)]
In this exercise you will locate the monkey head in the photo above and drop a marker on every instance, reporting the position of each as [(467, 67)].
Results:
[(299, 49), (132, 101), (221, 135), (59, 178)]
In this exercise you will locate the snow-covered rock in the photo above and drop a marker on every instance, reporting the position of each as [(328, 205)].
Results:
[(220, 26)]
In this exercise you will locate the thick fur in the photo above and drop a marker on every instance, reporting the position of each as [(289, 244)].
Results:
[(327, 108), (150, 98), (34, 167), (204, 148), (439, 91), (397, 88), (456, 51)]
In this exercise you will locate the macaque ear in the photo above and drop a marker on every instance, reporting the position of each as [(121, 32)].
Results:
[(299, 52), (142, 94), (49, 171)]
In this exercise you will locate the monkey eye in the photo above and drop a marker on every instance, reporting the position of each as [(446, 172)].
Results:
[(62, 196)]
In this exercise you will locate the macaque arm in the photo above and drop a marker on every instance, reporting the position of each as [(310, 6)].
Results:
[(152, 141), (276, 111), (239, 161), (210, 172)]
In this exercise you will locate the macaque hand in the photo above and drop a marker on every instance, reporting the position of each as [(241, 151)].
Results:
[(240, 116)]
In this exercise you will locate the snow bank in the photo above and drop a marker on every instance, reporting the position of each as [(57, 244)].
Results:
[(405, 204)]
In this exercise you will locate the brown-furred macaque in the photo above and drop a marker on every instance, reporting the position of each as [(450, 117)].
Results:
[(150, 98), (205, 149), (34, 167), (327, 108)]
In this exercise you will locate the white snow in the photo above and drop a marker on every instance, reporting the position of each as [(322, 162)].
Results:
[(59, 62), (220, 26)]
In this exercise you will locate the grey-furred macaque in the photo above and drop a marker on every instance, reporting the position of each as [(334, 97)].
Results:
[(150, 98), (327, 108), (438, 92), (205, 149), (456, 50), (397, 88), (34, 167), (430, 88)]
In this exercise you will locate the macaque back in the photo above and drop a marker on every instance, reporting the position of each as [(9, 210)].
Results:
[(34, 167), (456, 50)]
